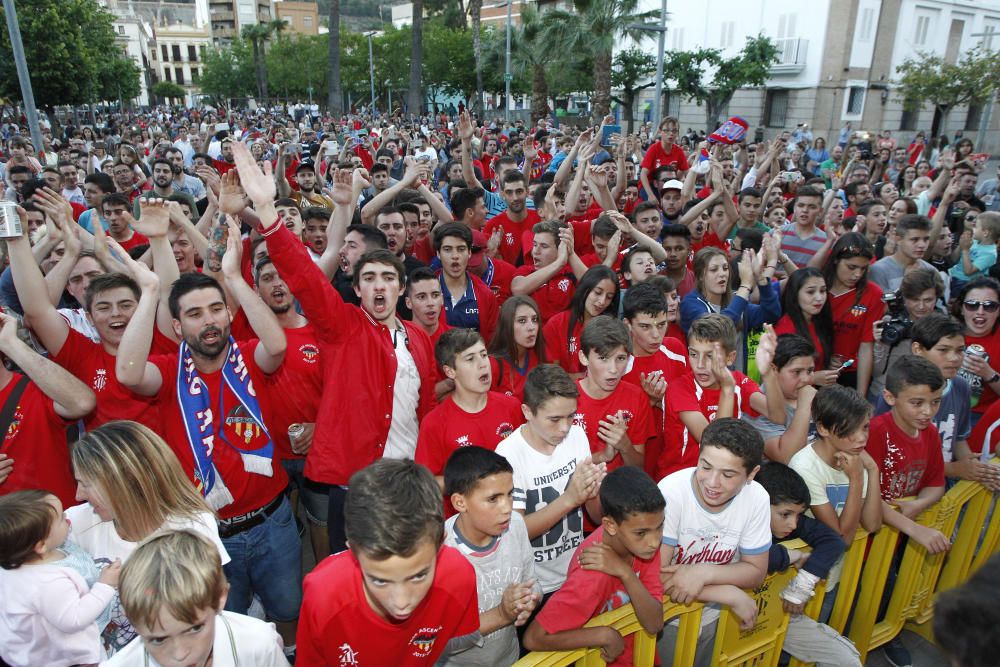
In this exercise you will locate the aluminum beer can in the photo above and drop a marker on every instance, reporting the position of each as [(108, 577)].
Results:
[(10, 222), (975, 382), (295, 432)]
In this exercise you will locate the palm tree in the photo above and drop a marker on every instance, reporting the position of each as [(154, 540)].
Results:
[(531, 51), (257, 35), (415, 96), (594, 29), (335, 95)]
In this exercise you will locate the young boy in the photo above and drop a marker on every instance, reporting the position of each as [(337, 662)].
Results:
[(913, 234), (396, 595), (618, 564), (711, 391), (940, 339), (805, 639), (472, 414), (551, 279), (554, 474), (486, 530), (978, 250), (173, 589), (907, 449), (793, 367), (841, 477), (615, 415), (716, 531)]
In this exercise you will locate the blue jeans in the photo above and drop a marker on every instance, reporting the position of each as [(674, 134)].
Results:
[(313, 497), (267, 560)]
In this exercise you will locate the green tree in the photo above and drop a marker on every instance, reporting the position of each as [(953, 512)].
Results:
[(593, 30), (335, 94), (449, 67), (750, 68), (928, 78), (168, 90), (117, 79), (293, 63), (65, 42), (631, 67), (531, 54), (257, 35), (228, 73)]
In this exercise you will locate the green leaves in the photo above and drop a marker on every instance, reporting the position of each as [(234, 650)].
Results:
[(927, 78)]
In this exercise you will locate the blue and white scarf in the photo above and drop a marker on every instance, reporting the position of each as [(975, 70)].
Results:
[(200, 422)]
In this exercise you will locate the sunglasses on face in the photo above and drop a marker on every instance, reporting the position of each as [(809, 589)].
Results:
[(987, 306)]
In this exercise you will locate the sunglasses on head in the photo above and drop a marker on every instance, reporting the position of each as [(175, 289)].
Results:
[(987, 306)]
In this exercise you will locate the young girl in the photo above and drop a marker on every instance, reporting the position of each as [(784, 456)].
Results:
[(794, 365), (714, 293), (855, 306), (807, 313), (51, 594), (518, 344), (595, 295)]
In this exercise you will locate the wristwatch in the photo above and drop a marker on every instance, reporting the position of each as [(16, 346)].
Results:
[(994, 378)]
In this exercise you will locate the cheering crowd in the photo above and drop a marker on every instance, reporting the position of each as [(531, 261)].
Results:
[(510, 377)]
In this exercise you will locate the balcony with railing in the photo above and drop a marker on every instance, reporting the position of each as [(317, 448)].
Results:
[(792, 52)]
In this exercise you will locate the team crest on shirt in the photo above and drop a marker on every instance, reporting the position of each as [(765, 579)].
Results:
[(626, 415), (348, 656), (508, 238), (310, 353), (505, 429), (423, 641), (579, 420), (462, 441), (100, 380), (563, 285), (15, 424), (858, 310)]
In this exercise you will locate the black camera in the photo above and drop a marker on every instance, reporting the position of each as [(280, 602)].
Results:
[(899, 324)]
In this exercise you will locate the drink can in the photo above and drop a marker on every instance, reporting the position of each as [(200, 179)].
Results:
[(977, 351), (975, 382), (295, 431), (10, 222)]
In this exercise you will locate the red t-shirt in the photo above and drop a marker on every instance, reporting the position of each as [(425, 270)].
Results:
[(852, 323), (671, 361), (448, 427), (786, 326), (90, 363), (710, 239), (553, 296), (507, 379), (631, 401), (588, 593), (499, 279), (250, 490), (291, 394), (510, 241), (563, 345), (686, 395), (906, 464), (986, 431), (136, 239), (656, 156), (36, 441), (674, 330), (991, 344), (338, 626)]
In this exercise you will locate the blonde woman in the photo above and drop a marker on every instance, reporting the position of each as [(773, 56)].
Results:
[(131, 485)]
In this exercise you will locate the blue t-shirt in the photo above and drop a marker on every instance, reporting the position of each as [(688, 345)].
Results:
[(464, 313)]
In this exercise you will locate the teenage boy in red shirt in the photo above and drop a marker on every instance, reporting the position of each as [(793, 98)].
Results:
[(513, 222), (358, 422), (472, 415), (710, 390), (397, 596), (551, 281), (662, 153), (615, 415)]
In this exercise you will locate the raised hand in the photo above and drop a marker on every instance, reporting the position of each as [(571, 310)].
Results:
[(232, 198), (466, 127), (155, 218), (258, 184), (342, 193), (55, 206), (764, 356), (232, 259)]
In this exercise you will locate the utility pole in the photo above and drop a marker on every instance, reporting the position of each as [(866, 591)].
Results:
[(371, 69), (22, 75), (984, 117), (507, 76), (661, 29)]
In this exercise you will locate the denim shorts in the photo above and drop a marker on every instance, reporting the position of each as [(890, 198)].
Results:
[(313, 497), (267, 561)]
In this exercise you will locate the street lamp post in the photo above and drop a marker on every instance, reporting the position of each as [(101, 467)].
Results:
[(371, 69), (661, 29), (507, 76), (22, 75), (984, 117)]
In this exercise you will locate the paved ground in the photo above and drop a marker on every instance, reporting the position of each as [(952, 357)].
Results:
[(923, 652)]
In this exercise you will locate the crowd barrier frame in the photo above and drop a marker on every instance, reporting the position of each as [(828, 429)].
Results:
[(965, 514)]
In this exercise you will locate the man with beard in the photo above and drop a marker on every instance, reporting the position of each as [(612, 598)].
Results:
[(110, 300), (513, 222), (163, 187), (212, 396), (125, 181), (310, 192), (293, 393), (184, 183), (376, 413)]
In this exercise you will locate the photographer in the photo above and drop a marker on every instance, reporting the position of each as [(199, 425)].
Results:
[(916, 298)]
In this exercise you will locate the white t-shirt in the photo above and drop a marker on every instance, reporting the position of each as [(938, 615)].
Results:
[(742, 527), (239, 640), (404, 428), (826, 484), (539, 480)]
